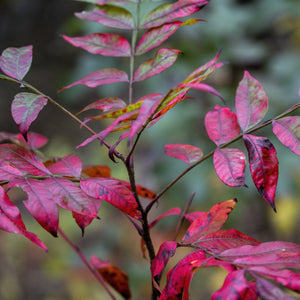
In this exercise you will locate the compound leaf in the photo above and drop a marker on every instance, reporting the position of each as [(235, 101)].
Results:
[(186, 153)]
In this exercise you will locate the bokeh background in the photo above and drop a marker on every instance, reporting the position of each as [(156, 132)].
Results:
[(261, 36)]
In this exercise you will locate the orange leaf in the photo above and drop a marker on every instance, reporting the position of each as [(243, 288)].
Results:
[(97, 171)]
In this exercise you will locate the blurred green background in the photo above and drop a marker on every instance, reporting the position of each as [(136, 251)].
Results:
[(261, 36)]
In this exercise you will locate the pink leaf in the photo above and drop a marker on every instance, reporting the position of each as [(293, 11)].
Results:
[(191, 217), (179, 277), (221, 125), (230, 164), (187, 153), (171, 212), (156, 36), (165, 252), (263, 166), (40, 203), (105, 76), (287, 131), (23, 160), (11, 220), (222, 240), (112, 191), (16, 62), (211, 221), (25, 108), (70, 165), (163, 59), (8, 172), (34, 140), (109, 44), (109, 15), (251, 102), (168, 12)]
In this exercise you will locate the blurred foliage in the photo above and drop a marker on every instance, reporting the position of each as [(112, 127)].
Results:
[(261, 36)]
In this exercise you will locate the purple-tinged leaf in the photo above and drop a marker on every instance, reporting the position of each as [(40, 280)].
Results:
[(230, 164), (23, 160), (224, 239), (25, 108), (221, 125), (8, 172), (105, 104), (163, 59), (235, 287), (165, 252), (109, 15), (156, 36), (186, 153), (175, 211), (179, 277), (263, 166), (168, 12), (251, 102), (268, 291), (11, 220), (16, 62), (209, 222), (70, 165), (287, 278), (69, 196), (191, 217), (108, 44), (34, 140), (287, 131), (40, 203), (112, 191), (101, 77)]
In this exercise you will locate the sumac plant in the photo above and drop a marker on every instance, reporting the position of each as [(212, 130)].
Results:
[(269, 270)]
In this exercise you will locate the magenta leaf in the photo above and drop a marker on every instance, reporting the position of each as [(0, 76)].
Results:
[(109, 15), (8, 172), (25, 108), (251, 102), (105, 76), (192, 216), (168, 12), (179, 277), (165, 252), (287, 131), (112, 191), (163, 59), (109, 44), (230, 164), (16, 62), (209, 222), (40, 203), (235, 287), (11, 220), (221, 125), (186, 153), (224, 239), (175, 211), (70, 165), (263, 166)]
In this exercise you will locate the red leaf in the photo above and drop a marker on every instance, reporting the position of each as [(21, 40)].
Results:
[(112, 191), (70, 165), (8, 172), (263, 166), (172, 211), (109, 15), (168, 12), (34, 140), (40, 203), (235, 287), (191, 217), (141, 190), (163, 59), (105, 76), (16, 62), (221, 125), (117, 278), (11, 220), (179, 277), (251, 102), (165, 252), (209, 222), (25, 108), (187, 153), (229, 164), (109, 44), (287, 131), (222, 240)]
